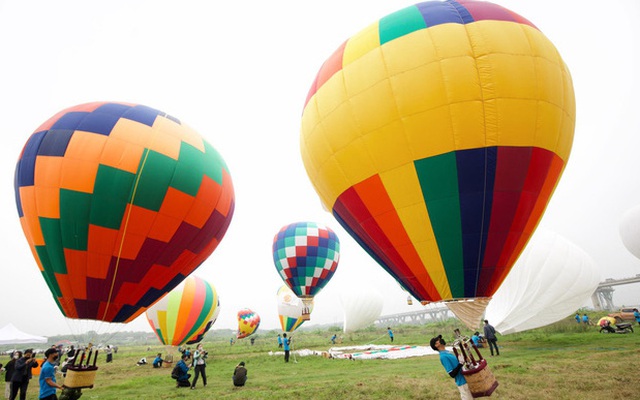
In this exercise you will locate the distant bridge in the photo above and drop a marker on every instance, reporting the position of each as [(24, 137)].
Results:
[(437, 313), (602, 298)]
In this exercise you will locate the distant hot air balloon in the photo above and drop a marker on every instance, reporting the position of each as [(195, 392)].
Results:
[(436, 137), (630, 230), (290, 309), (185, 313), (362, 306), (306, 255), (119, 203), (248, 323), (552, 278)]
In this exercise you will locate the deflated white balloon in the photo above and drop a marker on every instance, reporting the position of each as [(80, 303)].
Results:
[(362, 306), (551, 280), (630, 230)]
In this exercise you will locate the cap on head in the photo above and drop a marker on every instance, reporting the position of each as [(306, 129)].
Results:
[(433, 341)]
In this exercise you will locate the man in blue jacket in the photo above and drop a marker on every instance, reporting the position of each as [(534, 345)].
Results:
[(184, 375)]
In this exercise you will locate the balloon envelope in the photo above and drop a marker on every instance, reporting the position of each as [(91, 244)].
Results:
[(290, 309), (306, 255), (630, 230), (362, 307), (184, 313), (119, 203), (248, 323), (437, 143), (552, 279)]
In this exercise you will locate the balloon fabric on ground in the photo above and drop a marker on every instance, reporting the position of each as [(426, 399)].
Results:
[(119, 203), (186, 313), (551, 280), (437, 143), (290, 309)]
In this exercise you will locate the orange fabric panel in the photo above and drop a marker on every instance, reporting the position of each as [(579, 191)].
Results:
[(123, 155), (78, 175), (164, 227), (101, 240), (204, 203), (75, 278), (176, 203), (99, 265), (85, 146), (224, 204)]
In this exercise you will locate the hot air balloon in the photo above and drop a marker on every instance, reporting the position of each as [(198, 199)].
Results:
[(184, 314), (248, 323), (290, 309), (552, 278), (630, 230), (436, 136), (119, 203), (306, 255), (362, 306)]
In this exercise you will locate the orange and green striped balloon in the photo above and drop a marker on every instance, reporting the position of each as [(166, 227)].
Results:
[(119, 203), (186, 313), (436, 136)]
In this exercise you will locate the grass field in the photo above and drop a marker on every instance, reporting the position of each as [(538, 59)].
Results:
[(561, 361)]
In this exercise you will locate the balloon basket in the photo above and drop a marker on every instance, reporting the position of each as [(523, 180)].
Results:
[(167, 362), (80, 378), (480, 379)]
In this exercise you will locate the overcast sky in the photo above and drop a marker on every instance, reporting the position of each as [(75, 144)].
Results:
[(239, 73)]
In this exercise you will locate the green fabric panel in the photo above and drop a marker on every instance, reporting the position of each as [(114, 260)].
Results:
[(52, 253), (400, 23), (74, 219), (438, 178), (154, 176), (189, 170), (214, 163), (49, 270), (111, 193), (202, 320)]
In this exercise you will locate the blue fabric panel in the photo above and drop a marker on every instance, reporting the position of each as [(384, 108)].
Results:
[(476, 176), (144, 115), (55, 142), (436, 13)]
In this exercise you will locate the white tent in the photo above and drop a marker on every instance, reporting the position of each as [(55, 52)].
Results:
[(12, 335)]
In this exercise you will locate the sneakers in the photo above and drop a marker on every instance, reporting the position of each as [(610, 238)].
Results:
[(193, 388)]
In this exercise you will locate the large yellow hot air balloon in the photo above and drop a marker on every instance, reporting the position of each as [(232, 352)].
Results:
[(436, 137)]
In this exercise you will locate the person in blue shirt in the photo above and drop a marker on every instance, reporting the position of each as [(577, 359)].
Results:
[(585, 319), (333, 338), (183, 377), (279, 341), (390, 332), (157, 362), (636, 315), (452, 366), (47, 380), (577, 317), (477, 340), (286, 342)]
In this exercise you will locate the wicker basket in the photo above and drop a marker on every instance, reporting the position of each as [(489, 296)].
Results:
[(480, 380), (168, 361), (79, 378)]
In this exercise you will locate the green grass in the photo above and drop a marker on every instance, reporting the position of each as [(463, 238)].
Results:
[(561, 361)]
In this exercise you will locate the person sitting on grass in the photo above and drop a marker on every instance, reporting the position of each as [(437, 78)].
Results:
[(184, 375), (240, 375), (157, 362)]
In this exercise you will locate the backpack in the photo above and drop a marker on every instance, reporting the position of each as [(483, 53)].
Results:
[(175, 372)]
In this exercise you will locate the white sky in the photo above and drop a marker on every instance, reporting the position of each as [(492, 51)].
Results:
[(239, 73)]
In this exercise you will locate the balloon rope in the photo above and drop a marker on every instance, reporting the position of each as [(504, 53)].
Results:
[(126, 224)]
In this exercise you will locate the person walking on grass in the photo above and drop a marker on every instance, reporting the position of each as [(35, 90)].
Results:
[(199, 366), (452, 366), (490, 336)]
